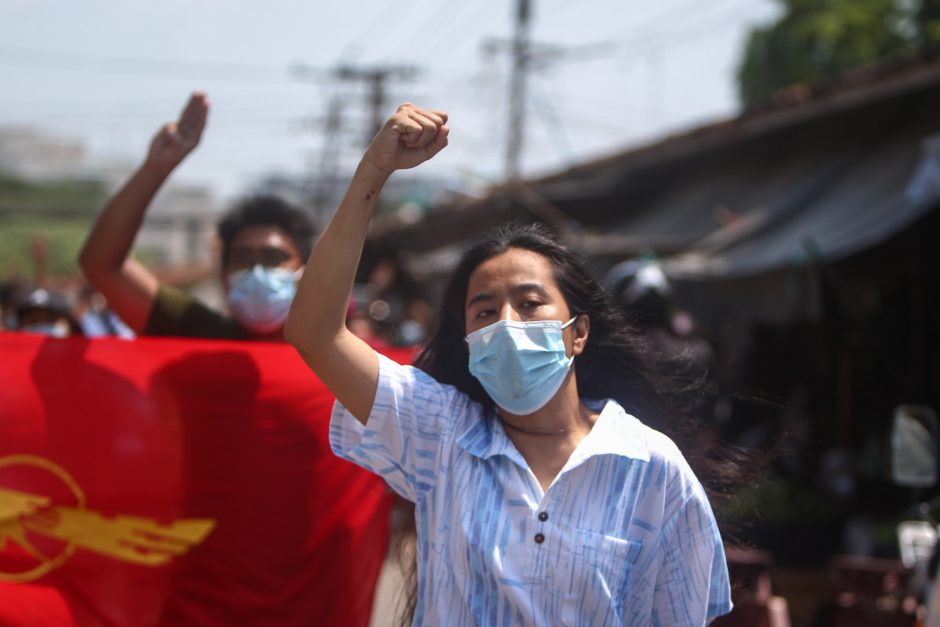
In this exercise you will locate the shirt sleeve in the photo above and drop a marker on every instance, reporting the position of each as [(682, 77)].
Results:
[(693, 586), (402, 441)]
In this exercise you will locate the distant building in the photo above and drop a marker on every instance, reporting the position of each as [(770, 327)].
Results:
[(28, 154), (180, 227)]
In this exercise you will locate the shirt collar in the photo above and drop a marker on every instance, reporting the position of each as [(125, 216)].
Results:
[(614, 433), (486, 438)]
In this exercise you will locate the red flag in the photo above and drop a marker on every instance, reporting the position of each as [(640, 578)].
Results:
[(177, 482)]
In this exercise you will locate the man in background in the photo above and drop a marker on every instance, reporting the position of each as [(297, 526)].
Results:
[(265, 243)]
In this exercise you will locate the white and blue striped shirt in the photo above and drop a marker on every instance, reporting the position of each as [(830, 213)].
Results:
[(623, 536)]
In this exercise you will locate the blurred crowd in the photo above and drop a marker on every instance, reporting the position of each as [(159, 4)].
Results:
[(388, 309), (380, 312), (63, 308)]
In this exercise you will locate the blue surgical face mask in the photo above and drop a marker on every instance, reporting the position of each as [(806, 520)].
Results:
[(260, 298), (521, 365)]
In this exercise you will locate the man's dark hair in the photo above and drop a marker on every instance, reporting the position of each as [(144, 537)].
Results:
[(267, 211)]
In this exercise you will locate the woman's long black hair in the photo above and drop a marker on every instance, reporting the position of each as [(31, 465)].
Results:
[(617, 361)]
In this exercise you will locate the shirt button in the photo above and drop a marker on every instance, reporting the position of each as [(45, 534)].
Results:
[(539, 538), (543, 516)]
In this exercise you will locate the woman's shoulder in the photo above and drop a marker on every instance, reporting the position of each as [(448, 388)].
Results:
[(661, 451), (397, 369), (404, 380)]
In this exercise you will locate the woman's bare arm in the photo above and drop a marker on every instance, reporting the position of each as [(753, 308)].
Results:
[(316, 326)]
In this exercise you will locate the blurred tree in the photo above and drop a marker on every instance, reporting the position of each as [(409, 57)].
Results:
[(815, 39), (57, 214), (928, 22), (60, 198)]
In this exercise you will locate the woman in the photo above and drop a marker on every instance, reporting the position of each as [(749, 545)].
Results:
[(539, 499)]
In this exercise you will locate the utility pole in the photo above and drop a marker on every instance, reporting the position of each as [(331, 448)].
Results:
[(526, 57), (329, 161), (517, 89), (375, 78)]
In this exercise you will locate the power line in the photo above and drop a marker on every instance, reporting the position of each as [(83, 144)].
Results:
[(383, 24), (446, 35), (156, 104), (699, 30), (376, 79), (686, 8), (138, 66), (650, 40), (557, 132), (118, 113), (428, 26), (643, 38)]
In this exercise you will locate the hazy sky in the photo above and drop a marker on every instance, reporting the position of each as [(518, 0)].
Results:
[(109, 72)]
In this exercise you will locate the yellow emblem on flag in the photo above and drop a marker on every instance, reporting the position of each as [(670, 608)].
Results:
[(127, 538)]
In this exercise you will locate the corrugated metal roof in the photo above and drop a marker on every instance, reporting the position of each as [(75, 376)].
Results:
[(845, 196)]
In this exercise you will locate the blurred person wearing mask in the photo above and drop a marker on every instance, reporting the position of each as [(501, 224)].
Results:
[(48, 313), (265, 244)]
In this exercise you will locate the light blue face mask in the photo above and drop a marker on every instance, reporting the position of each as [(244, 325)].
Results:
[(521, 365), (260, 298)]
